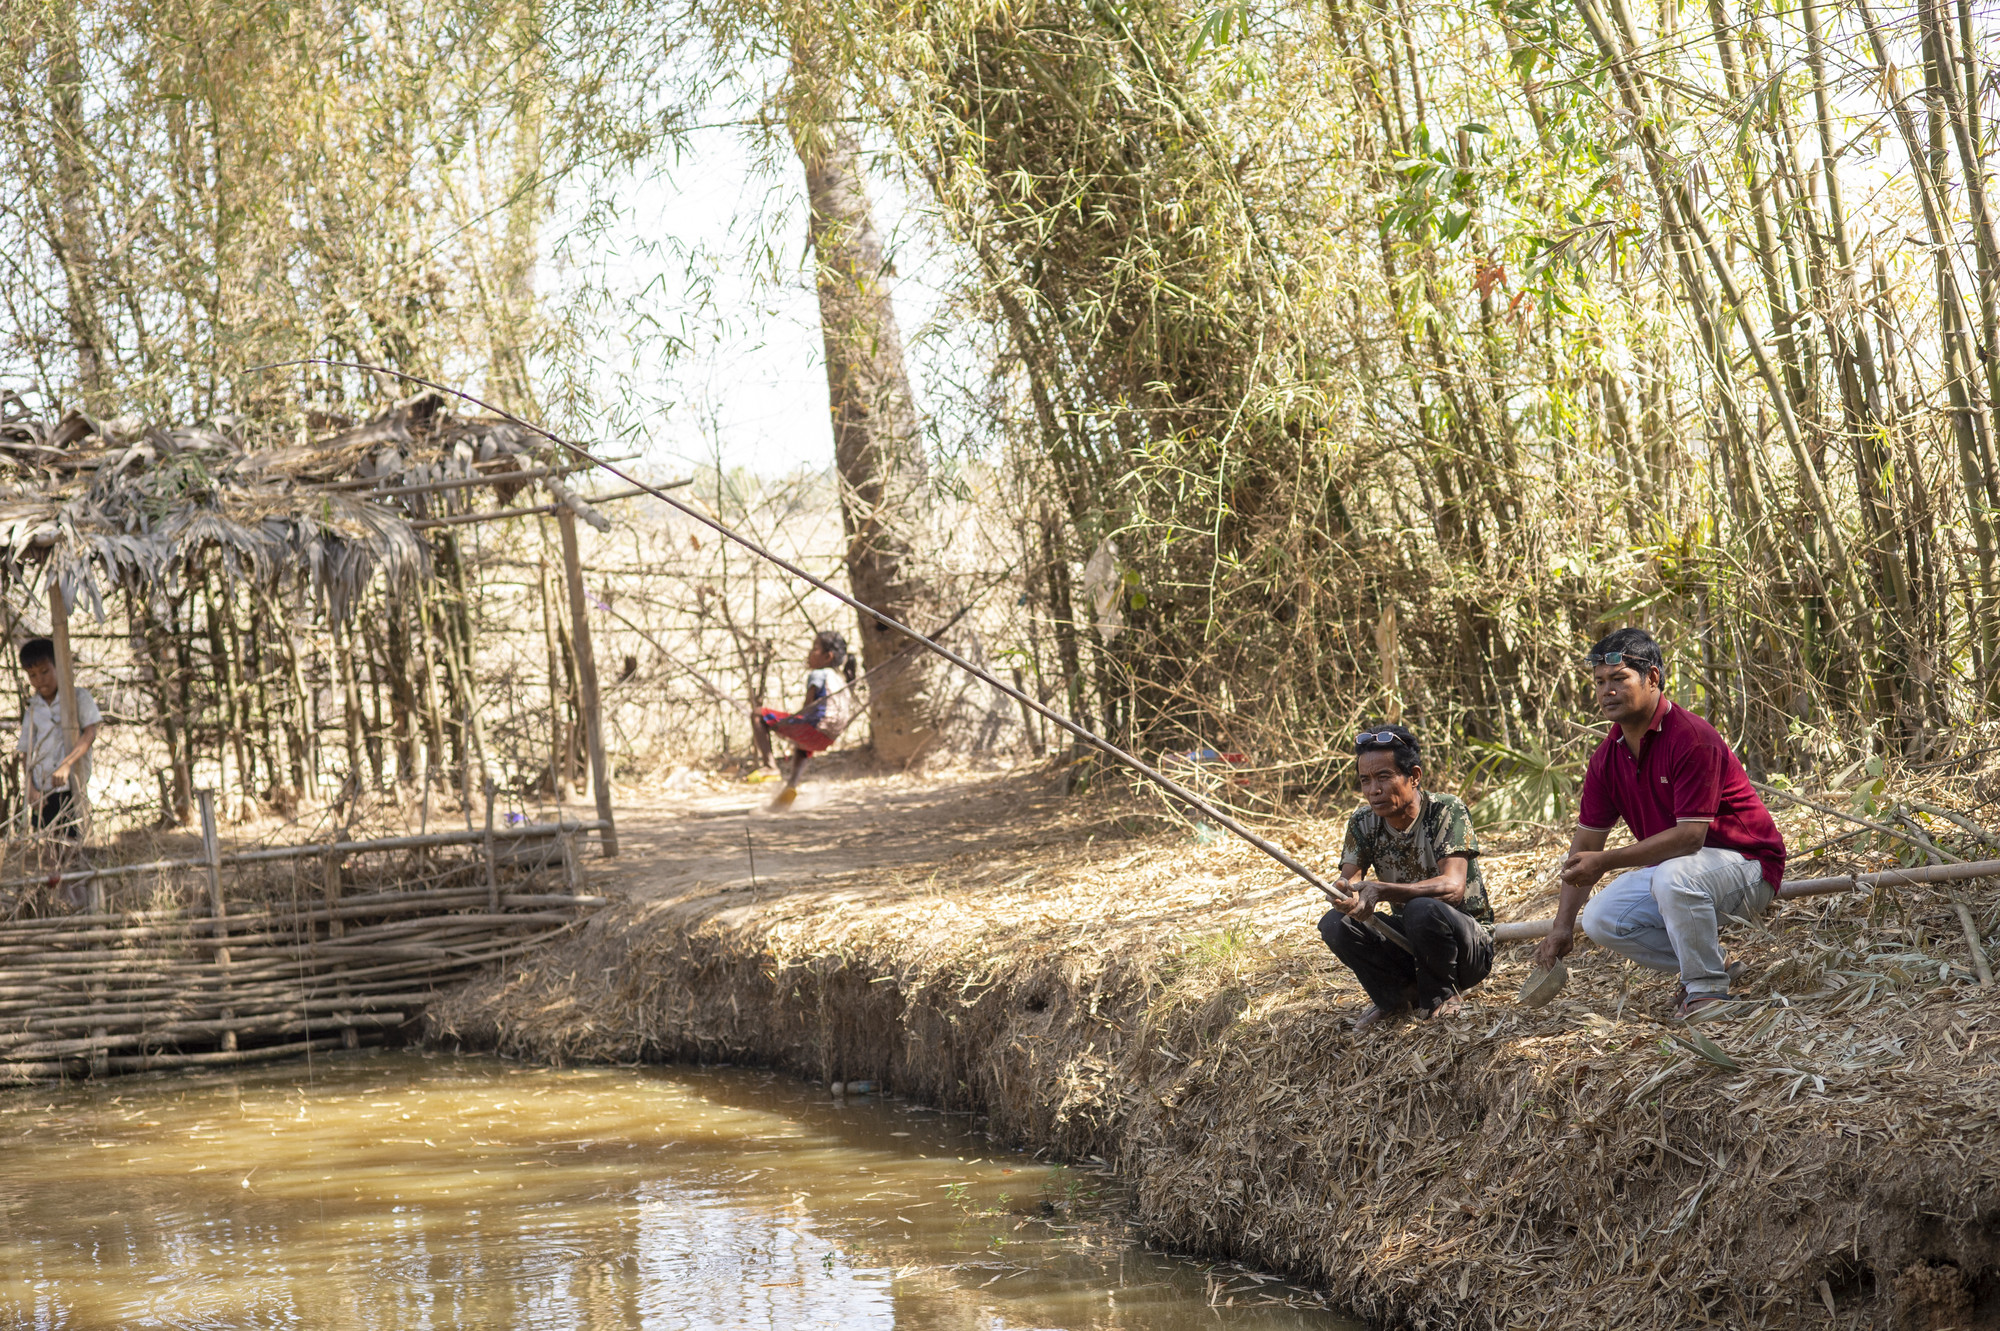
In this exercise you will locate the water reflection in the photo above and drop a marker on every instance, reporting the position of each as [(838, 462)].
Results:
[(396, 1191)]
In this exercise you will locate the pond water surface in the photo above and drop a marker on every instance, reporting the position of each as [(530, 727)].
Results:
[(400, 1191)]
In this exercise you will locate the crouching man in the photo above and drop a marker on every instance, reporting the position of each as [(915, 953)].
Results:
[(1426, 862), (1706, 848)]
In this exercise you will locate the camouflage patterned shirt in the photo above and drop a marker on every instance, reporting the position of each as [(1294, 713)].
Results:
[(1443, 828)]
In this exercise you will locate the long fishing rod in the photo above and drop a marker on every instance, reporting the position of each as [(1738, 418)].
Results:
[(1094, 740), (715, 690)]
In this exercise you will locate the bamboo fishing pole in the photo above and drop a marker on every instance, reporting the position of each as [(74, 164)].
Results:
[(1090, 737)]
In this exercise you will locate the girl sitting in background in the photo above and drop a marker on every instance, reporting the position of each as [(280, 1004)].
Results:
[(829, 706)]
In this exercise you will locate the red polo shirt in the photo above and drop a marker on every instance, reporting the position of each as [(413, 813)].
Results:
[(1684, 773)]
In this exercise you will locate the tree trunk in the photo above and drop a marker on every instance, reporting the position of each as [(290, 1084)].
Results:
[(878, 439)]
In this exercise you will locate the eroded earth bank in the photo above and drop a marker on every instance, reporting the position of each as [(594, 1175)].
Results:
[(1102, 982)]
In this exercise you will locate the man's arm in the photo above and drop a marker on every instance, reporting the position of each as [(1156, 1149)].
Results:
[(85, 738), (1587, 863), (1448, 886)]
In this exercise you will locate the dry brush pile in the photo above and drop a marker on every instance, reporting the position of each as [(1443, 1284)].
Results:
[(1169, 1008)]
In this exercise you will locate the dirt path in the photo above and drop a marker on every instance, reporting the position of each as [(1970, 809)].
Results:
[(846, 822)]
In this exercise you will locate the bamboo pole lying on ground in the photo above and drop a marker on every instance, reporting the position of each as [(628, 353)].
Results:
[(1527, 930)]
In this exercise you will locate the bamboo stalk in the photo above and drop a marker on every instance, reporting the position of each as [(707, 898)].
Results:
[(586, 669), (212, 853), (495, 477), (280, 963), (185, 999), (72, 726), (572, 869), (158, 1062), (336, 927), (557, 766), (492, 867), (1980, 965), (295, 1025), (502, 514), (526, 831), (145, 1018), (185, 925), (287, 961), (350, 689), (399, 970)]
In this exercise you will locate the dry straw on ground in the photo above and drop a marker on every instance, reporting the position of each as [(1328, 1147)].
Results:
[(1167, 1005)]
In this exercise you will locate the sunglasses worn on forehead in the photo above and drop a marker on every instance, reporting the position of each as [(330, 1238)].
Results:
[(1379, 737), (1639, 660)]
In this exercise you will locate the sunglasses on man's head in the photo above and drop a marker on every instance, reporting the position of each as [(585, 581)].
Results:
[(1635, 659), (1378, 737)]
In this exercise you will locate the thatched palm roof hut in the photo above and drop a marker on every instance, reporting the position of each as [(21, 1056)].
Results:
[(100, 506), (219, 538)]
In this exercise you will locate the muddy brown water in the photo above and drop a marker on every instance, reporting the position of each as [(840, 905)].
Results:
[(398, 1190)]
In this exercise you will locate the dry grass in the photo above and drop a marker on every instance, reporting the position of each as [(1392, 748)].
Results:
[(1167, 1006)]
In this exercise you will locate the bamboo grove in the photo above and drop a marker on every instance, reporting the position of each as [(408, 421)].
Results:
[(1382, 351), (202, 188), (1402, 348)]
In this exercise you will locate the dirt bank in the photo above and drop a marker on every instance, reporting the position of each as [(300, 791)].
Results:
[(1166, 1005)]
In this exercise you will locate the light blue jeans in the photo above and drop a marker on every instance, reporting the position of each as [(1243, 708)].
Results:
[(1667, 917)]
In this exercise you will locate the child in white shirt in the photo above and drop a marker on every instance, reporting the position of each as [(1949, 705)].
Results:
[(53, 770)]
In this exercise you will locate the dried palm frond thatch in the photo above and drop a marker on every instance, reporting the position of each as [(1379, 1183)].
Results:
[(98, 506)]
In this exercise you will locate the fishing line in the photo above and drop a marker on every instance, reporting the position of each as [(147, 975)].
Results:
[(1094, 740)]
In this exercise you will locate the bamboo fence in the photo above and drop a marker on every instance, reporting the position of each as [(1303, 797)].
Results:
[(276, 951)]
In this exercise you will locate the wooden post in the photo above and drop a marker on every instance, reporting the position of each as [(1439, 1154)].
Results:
[(1980, 966), (307, 733), (465, 769), (492, 868), (350, 697), (558, 749), (572, 867), (337, 928), (218, 911), (586, 673), (72, 727)]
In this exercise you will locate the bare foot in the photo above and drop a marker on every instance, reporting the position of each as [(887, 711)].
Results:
[(1451, 1007)]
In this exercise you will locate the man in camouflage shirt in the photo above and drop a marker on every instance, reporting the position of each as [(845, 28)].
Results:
[(1426, 861)]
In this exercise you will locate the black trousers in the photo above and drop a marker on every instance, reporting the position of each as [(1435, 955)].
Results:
[(1452, 954), (56, 815)]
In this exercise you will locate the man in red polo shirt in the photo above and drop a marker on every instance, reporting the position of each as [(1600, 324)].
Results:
[(1705, 846)]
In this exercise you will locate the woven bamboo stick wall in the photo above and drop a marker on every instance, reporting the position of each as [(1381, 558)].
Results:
[(233, 959)]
